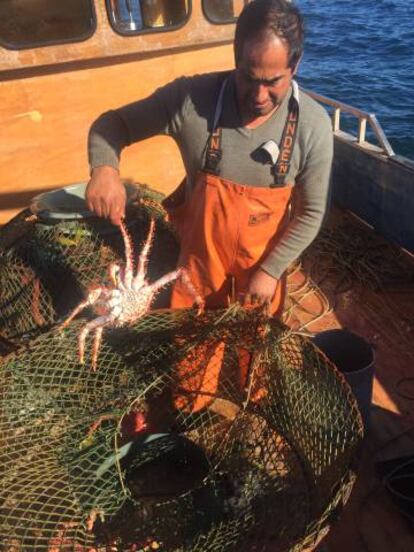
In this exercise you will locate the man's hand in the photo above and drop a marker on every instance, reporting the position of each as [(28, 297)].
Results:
[(261, 289), (106, 195)]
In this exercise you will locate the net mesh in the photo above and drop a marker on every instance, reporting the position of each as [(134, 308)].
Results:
[(224, 431), (249, 467), (45, 268)]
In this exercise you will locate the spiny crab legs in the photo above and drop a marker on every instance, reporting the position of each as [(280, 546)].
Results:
[(130, 296)]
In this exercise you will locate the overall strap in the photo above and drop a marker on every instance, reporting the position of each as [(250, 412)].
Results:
[(281, 168), (214, 152)]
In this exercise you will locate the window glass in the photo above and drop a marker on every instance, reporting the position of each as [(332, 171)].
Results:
[(28, 23), (223, 11), (133, 16)]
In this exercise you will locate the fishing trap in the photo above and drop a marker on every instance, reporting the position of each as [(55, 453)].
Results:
[(216, 432)]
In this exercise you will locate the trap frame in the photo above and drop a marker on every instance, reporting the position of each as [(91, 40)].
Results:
[(267, 427), (280, 450)]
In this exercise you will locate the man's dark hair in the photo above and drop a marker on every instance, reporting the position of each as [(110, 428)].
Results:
[(262, 18)]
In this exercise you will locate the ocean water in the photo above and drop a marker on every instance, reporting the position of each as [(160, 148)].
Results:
[(361, 52)]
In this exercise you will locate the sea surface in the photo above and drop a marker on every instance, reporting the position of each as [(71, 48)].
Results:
[(361, 52)]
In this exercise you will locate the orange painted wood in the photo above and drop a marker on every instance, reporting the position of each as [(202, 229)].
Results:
[(105, 43), (51, 95)]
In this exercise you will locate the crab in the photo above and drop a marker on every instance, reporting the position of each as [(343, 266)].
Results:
[(128, 299)]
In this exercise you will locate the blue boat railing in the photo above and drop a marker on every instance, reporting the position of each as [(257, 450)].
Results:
[(363, 118)]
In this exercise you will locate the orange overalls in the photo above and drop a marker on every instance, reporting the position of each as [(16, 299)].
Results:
[(226, 229)]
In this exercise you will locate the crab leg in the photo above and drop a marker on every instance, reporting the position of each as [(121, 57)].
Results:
[(96, 346), (91, 299), (179, 273), (115, 275), (143, 258), (97, 323), (162, 282), (129, 266), (189, 285)]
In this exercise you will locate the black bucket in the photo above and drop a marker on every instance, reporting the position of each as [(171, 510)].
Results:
[(354, 357)]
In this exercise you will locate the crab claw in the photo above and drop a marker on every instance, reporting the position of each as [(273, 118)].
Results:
[(190, 286)]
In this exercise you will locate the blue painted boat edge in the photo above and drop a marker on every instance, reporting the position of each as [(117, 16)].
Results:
[(377, 188)]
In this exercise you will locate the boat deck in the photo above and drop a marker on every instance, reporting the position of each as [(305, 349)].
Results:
[(351, 278)]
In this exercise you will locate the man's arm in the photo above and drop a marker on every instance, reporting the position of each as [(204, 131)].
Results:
[(311, 192), (105, 193), (160, 113)]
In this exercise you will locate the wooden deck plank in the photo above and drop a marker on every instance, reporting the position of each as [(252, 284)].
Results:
[(382, 312)]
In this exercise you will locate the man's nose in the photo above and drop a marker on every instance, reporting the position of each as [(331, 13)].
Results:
[(261, 93)]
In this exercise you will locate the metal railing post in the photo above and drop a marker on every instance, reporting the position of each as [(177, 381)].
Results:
[(336, 119), (362, 129), (362, 116)]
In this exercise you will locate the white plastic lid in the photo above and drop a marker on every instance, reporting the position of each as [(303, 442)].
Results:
[(68, 203)]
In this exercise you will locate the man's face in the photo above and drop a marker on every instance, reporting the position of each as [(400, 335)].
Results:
[(262, 77)]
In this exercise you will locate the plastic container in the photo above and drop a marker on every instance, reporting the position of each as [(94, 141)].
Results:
[(68, 203), (354, 357)]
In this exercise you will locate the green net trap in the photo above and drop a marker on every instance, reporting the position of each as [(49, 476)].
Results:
[(46, 266), (207, 433)]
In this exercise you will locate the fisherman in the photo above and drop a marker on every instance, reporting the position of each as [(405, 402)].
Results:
[(257, 152)]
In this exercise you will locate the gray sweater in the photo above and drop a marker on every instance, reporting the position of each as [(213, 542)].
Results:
[(184, 110)]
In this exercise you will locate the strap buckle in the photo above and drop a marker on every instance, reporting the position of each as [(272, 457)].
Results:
[(213, 158)]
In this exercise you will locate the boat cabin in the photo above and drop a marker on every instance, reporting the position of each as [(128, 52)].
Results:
[(64, 63)]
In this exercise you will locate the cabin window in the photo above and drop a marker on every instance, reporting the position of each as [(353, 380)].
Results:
[(30, 23), (223, 11), (136, 16)]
